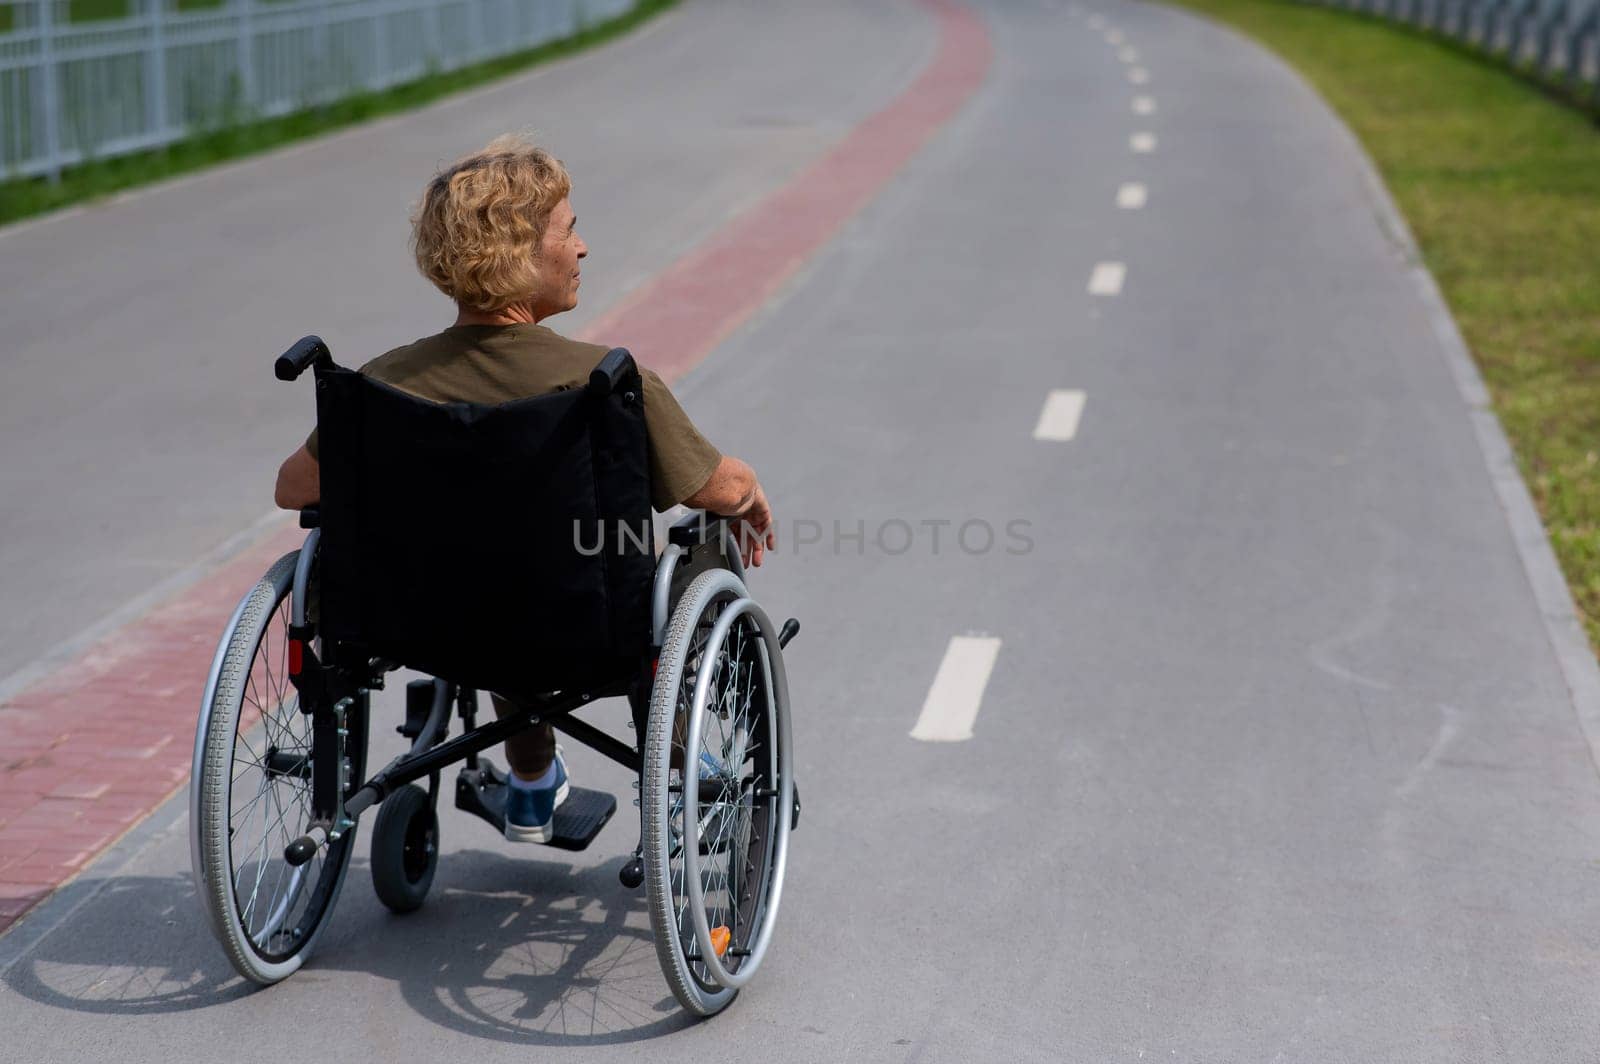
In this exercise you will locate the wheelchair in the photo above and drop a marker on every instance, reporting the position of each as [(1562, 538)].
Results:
[(454, 539)]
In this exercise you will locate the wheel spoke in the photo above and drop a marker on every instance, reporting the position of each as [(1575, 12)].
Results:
[(260, 846)]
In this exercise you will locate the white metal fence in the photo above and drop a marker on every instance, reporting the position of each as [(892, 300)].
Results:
[(1557, 41), (73, 90)]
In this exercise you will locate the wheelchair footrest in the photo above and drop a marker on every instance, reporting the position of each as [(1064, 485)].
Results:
[(482, 792)]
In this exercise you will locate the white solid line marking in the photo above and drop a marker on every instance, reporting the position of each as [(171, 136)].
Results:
[(1131, 196), (1144, 105), (1058, 421), (1129, 55), (1106, 280), (1138, 75), (1143, 143), (957, 692), (1113, 36)]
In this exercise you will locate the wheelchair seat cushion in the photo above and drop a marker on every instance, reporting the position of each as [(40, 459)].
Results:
[(502, 547)]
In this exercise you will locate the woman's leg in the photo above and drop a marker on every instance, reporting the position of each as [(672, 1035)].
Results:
[(529, 752)]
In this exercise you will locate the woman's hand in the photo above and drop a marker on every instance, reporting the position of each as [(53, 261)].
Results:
[(754, 530)]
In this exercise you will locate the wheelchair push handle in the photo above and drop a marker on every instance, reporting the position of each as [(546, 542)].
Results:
[(293, 362), (605, 377)]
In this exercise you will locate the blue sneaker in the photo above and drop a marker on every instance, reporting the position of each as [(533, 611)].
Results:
[(531, 811)]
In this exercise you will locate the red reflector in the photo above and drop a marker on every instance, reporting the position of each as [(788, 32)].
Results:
[(655, 663), (294, 656)]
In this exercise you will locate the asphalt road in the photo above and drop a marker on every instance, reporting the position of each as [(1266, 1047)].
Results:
[(1276, 761)]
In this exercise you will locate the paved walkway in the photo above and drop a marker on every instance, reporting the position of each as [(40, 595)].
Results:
[(1244, 738)]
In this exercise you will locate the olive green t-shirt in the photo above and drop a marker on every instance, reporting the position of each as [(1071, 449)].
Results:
[(491, 364)]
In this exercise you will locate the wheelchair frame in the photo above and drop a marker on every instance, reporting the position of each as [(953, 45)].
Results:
[(327, 689)]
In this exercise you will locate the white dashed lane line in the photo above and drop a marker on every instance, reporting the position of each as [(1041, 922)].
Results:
[(1138, 75), (1131, 196), (1058, 421), (1113, 36), (1143, 143), (1144, 105), (956, 696), (1107, 278), (1129, 55)]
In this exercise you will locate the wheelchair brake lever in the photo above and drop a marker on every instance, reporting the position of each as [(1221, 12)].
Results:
[(790, 629)]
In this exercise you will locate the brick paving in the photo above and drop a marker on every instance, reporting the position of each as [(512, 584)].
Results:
[(93, 748)]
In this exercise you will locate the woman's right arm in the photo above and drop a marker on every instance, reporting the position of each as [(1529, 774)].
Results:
[(733, 491)]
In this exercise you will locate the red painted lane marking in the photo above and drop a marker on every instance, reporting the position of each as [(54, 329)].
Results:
[(92, 749), (676, 319)]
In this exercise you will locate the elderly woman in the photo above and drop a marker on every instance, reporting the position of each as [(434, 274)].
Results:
[(496, 233)]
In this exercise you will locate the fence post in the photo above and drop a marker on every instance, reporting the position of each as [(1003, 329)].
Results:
[(247, 58), (436, 57), (48, 95), (1575, 39), (1547, 35), (1519, 34), (1592, 34), (1569, 51), (380, 48), (321, 58), (156, 72)]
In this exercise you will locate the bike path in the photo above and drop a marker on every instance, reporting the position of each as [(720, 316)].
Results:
[(1276, 760)]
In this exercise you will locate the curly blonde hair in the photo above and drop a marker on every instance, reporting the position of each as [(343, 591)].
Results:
[(476, 232)]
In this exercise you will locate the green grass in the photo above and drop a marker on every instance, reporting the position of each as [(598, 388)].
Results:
[(1500, 182), (21, 198), (94, 10)]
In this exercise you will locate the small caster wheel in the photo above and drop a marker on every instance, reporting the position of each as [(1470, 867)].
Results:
[(405, 849), (632, 873)]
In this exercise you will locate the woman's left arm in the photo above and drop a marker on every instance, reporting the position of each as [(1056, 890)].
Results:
[(299, 481)]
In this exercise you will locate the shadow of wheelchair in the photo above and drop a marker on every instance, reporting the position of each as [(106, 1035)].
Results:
[(572, 963), (507, 949)]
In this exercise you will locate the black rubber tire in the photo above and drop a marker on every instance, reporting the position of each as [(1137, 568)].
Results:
[(405, 849)]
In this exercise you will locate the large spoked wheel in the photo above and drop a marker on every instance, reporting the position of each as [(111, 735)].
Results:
[(716, 835), (251, 793)]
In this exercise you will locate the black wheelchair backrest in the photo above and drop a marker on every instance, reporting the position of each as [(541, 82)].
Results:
[(502, 547)]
